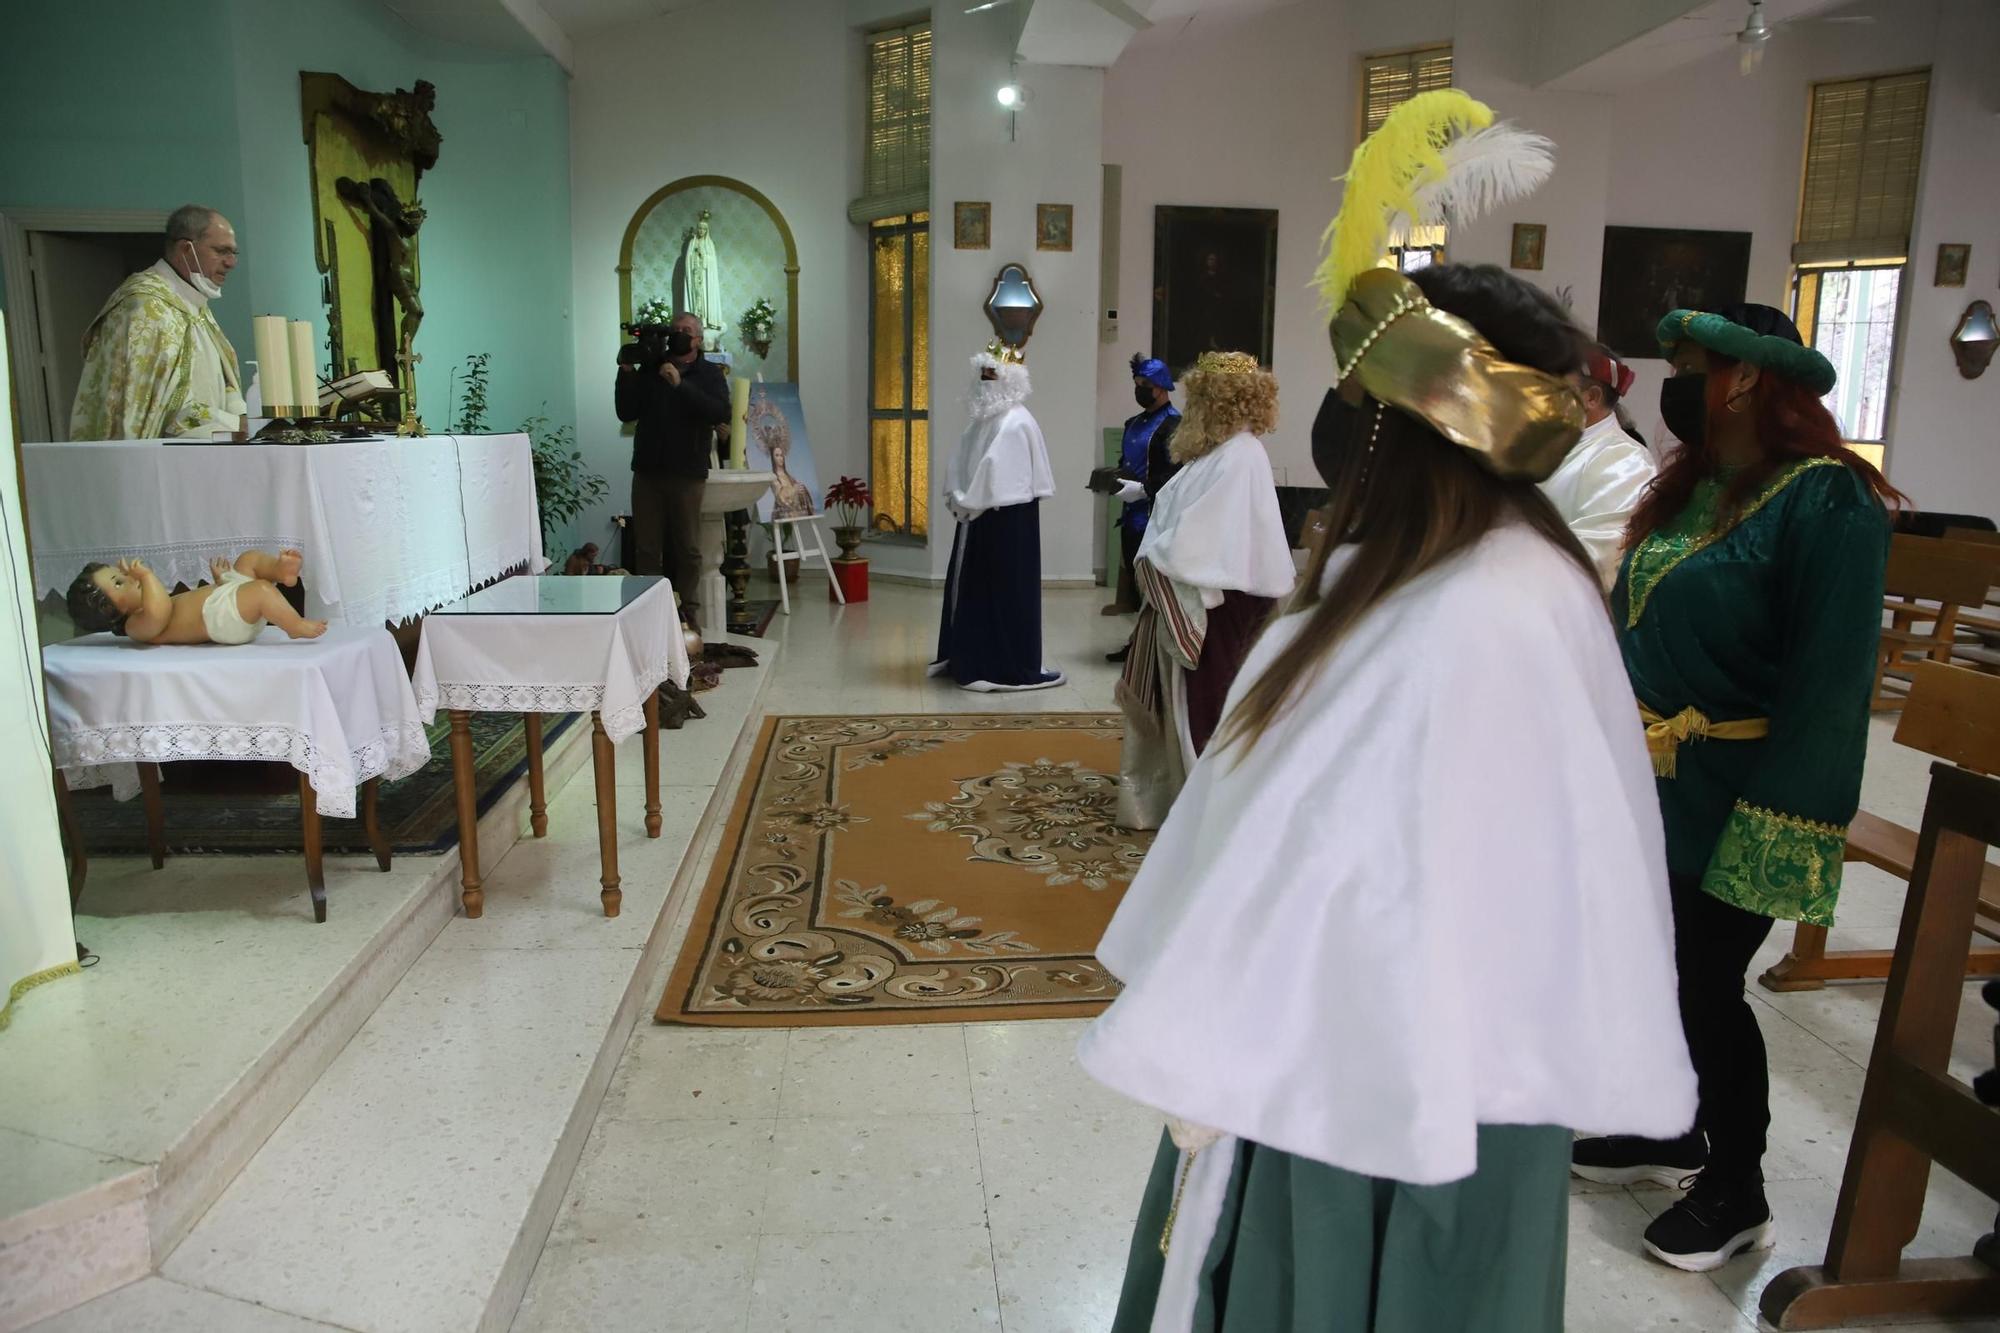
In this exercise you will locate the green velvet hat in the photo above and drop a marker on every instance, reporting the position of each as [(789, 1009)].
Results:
[(1759, 334)]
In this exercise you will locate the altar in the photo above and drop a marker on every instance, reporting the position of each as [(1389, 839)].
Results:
[(390, 528)]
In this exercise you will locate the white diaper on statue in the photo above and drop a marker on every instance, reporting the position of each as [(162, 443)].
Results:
[(220, 614)]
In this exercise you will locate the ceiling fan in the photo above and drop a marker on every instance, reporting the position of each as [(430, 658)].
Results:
[(1756, 32), (1118, 9)]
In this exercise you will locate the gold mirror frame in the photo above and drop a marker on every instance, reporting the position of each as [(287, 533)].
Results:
[(757, 197), (1974, 354), (1014, 332)]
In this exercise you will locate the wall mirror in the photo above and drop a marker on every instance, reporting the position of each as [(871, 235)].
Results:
[(1014, 306), (1975, 339)]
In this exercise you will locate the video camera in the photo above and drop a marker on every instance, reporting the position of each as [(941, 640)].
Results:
[(652, 345)]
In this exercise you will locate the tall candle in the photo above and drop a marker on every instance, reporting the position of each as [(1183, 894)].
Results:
[(739, 408), (274, 363), (305, 374)]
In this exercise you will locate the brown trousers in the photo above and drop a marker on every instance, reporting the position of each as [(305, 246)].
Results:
[(666, 528)]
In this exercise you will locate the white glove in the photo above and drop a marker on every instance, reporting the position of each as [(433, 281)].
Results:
[(1129, 491)]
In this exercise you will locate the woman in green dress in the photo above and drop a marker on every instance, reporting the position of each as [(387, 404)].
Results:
[(1748, 609)]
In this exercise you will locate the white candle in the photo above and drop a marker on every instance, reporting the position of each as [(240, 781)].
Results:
[(305, 373), (739, 407), (274, 363)]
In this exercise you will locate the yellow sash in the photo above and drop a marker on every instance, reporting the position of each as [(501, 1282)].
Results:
[(1665, 734)]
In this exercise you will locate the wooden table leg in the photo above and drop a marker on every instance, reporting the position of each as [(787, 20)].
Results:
[(79, 859), (538, 800), (371, 821), (156, 814), (651, 742), (465, 779), (607, 813), (315, 872)]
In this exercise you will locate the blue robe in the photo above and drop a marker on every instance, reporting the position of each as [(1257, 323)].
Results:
[(992, 626)]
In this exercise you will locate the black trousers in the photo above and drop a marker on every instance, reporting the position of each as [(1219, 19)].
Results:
[(1714, 942), (1128, 551)]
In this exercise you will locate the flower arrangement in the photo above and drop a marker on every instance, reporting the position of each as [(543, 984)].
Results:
[(656, 311), (757, 325)]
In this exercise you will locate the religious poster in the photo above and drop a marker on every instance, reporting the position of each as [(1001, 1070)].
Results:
[(1651, 270), (1215, 282), (776, 428)]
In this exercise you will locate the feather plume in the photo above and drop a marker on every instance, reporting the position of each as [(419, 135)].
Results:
[(1404, 153), (1484, 170)]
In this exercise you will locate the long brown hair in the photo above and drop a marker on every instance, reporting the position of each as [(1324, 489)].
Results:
[(1401, 508), (1792, 423)]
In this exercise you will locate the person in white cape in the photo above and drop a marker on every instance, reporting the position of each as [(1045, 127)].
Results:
[(1407, 925), (1599, 484), (1209, 570), (990, 635)]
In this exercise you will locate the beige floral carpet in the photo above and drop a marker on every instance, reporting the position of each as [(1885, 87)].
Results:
[(912, 869)]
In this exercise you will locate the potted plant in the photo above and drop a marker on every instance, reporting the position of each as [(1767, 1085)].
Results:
[(849, 496)]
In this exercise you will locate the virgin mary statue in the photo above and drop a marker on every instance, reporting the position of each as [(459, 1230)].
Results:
[(701, 289)]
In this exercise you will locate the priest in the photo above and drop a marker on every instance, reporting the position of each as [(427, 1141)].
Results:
[(990, 638), (155, 362)]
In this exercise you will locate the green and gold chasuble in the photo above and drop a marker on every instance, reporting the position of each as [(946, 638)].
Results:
[(140, 376), (1774, 613)]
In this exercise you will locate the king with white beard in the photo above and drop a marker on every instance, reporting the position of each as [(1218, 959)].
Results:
[(990, 637)]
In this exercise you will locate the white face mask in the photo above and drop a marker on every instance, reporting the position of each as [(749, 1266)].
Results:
[(196, 278)]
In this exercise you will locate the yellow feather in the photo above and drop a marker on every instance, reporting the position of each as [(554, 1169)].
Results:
[(1390, 164)]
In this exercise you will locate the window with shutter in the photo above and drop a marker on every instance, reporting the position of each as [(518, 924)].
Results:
[(896, 172), (1388, 81), (1864, 146), (899, 365)]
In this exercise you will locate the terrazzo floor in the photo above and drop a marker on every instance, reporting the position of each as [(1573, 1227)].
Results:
[(929, 1179)]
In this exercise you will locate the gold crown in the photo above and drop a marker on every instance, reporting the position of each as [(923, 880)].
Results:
[(1005, 355), (1225, 363)]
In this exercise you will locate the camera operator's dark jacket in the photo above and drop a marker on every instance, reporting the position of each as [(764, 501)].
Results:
[(676, 422)]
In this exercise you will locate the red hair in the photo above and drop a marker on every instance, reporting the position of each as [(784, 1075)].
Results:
[(1792, 423)]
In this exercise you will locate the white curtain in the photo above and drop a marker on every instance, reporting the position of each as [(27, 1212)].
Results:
[(37, 943)]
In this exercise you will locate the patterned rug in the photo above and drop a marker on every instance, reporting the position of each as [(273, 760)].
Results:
[(239, 809), (912, 869)]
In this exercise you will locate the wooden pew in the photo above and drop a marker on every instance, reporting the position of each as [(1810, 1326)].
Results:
[(1913, 1113), (1922, 571), (1946, 718)]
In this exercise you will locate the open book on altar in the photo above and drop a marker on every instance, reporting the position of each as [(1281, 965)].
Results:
[(357, 388)]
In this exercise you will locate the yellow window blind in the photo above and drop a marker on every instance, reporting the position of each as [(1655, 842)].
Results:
[(1864, 144), (897, 172), (1389, 81)]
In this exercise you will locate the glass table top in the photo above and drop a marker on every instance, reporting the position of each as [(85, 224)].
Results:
[(555, 595)]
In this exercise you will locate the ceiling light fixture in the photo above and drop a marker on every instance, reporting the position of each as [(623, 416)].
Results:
[(1755, 33), (1011, 95)]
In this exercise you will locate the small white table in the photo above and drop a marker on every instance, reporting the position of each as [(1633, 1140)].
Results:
[(548, 644), (338, 708)]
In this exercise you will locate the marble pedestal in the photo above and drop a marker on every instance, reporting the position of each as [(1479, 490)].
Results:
[(727, 491)]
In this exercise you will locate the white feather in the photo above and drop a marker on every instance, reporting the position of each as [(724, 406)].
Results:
[(1482, 171)]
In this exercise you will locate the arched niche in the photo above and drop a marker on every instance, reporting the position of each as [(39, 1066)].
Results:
[(755, 256)]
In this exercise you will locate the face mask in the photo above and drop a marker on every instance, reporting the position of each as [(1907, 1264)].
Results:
[(196, 278), (1684, 407), (1144, 397), (1334, 432)]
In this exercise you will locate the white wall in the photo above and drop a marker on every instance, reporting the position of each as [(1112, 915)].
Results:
[(1053, 157), (778, 108)]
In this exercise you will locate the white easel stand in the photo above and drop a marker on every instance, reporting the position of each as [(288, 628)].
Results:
[(806, 525)]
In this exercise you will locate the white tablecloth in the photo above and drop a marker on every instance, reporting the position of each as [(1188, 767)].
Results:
[(607, 664), (338, 708), (390, 528)]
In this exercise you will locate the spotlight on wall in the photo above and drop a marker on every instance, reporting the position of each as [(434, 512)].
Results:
[(1012, 95)]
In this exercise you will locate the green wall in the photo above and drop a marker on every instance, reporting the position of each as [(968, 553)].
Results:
[(145, 104)]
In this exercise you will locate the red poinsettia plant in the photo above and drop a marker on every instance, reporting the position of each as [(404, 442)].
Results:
[(851, 497)]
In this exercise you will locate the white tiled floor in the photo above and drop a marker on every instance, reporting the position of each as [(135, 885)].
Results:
[(916, 1179), (966, 1178)]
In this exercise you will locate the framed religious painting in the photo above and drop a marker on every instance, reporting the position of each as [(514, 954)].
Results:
[(1530, 239), (1952, 263), (1215, 282), (1053, 226), (1651, 270), (971, 226)]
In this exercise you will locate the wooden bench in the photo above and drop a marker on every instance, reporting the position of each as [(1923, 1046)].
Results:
[(1912, 1112), (1928, 583), (1978, 643), (1948, 718)]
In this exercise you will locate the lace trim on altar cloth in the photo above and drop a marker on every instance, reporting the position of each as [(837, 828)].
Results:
[(96, 756), (174, 562), (523, 697)]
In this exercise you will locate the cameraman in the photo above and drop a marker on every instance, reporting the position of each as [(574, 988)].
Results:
[(678, 398)]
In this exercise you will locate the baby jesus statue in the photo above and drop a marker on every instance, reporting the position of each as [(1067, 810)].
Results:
[(128, 599)]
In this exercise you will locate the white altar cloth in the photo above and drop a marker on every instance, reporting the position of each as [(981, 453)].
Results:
[(554, 663), (390, 528), (338, 708)]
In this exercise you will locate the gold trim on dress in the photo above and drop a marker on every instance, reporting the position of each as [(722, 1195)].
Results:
[(1639, 596), (28, 983), (1664, 735)]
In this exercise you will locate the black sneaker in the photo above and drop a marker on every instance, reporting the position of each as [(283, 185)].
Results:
[(1624, 1159), (1120, 655), (1713, 1224)]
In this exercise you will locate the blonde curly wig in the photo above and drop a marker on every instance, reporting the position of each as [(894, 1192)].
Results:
[(1227, 392)]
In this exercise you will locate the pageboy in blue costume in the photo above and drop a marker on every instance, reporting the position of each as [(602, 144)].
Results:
[(1144, 465)]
